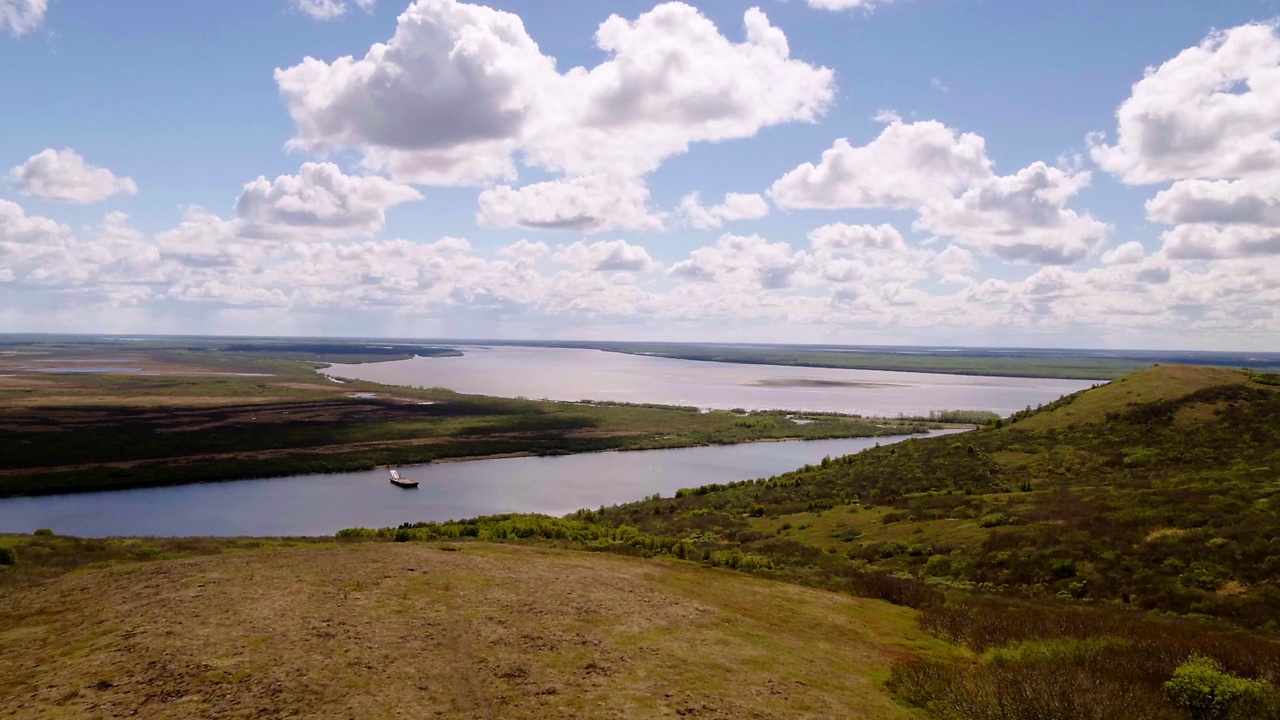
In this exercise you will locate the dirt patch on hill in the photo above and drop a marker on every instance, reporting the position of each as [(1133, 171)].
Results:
[(383, 631)]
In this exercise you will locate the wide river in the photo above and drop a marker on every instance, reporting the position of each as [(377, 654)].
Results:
[(324, 504), (569, 374)]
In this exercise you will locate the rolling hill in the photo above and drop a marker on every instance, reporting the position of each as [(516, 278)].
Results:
[(1115, 553)]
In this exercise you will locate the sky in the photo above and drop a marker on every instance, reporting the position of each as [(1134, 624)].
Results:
[(1089, 174)]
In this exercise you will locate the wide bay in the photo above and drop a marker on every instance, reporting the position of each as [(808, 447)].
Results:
[(572, 374)]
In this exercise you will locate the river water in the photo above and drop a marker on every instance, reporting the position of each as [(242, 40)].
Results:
[(324, 504), (571, 374)]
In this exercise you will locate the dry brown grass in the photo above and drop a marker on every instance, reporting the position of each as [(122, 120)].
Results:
[(412, 631)]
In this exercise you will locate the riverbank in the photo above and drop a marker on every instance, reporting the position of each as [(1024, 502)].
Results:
[(147, 418)]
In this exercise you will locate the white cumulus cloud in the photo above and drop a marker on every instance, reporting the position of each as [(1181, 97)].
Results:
[(1209, 121), (1021, 217), (524, 250), (330, 9), (1252, 201), (1126, 254), (607, 256), (64, 175), (746, 261), (20, 17), (843, 4), (588, 204), (444, 101), (461, 89), (1213, 112), (16, 226), (321, 201), (907, 165), (736, 206), (946, 177)]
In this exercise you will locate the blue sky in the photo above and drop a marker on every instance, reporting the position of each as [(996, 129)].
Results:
[(579, 227)]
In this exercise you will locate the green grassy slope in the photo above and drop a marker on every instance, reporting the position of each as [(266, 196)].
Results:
[(1113, 555), (1160, 490)]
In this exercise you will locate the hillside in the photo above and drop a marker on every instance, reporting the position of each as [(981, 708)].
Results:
[(1159, 490), (1113, 554), (462, 631)]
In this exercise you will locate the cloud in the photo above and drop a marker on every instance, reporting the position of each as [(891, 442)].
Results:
[(64, 175), (330, 9), (611, 256), (525, 250), (1020, 217), (460, 89), (444, 101), (1199, 242), (587, 204), (842, 239), (1126, 254), (843, 4), (205, 241), (867, 257), (1220, 218), (954, 263), (736, 206), (672, 79), (1209, 121), (947, 178), (20, 17), (850, 278), (1210, 112), (319, 201), (1254, 201), (745, 261), (18, 227), (909, 164)]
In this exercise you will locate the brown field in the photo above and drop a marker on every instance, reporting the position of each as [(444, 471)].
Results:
[(424, 630)]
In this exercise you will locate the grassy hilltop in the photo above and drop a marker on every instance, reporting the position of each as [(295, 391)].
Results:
[(395, 631), (1113, 554)]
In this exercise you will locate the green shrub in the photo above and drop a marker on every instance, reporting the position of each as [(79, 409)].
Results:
[(1206, 692), (1063, 568), (8, 556), (993, 520), (43, 531)]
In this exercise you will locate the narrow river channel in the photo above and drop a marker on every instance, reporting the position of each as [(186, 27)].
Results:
[(324, 504)]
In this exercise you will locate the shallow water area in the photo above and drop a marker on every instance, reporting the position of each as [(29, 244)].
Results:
[(573, 375)]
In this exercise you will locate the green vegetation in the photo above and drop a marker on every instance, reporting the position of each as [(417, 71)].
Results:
[(1266, 378), (1100, 557), (1206, 692), (204, 416), (1112, 554), (965, 417), (45, 556), (1067, 364)]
